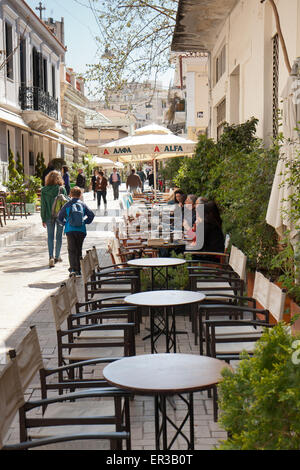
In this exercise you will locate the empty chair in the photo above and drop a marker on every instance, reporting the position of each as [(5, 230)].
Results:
[(87, 411)]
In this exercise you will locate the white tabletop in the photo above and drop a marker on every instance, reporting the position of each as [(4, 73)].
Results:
[(164, 298), (156, 262)]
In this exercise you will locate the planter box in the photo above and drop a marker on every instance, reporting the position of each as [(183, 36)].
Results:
[(30, 208)]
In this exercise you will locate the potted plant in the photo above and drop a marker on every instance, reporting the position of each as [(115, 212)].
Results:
[(17, 186), (259, 402)]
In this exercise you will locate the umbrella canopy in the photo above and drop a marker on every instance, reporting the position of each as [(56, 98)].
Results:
[(281, 190), (106, 163), (151, 142)]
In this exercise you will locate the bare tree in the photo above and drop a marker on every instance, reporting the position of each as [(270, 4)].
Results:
[(134, 41)]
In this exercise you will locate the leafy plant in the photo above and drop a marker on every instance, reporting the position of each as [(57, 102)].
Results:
[(260, 401), (40, 165), (12, 172), (19, 165)]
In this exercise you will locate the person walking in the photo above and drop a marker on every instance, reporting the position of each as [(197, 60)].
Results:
[(94, 179), (81, 181), (74, 216), (101, 189), (115, 181), (133, 182), (54, 184), (142, 176), (66, 178)]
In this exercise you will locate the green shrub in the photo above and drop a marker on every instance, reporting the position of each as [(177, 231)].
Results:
[(12, 172), (260, 402)]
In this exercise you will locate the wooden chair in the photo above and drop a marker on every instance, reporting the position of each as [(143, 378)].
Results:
[(72, 350), (97, 311), (4, 212), (21, 205), (266, 293), (86, 411), (224, 339), (109, 283)]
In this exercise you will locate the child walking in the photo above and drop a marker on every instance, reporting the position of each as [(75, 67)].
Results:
[(75, 215)]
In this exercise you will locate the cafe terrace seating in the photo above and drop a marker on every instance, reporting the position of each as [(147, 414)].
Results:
[(94, 411)]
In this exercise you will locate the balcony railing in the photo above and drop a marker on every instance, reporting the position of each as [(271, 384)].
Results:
[(36, 99)]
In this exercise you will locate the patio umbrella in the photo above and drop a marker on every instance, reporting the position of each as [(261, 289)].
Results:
[(281, 191), (149, 143), (104, 162)]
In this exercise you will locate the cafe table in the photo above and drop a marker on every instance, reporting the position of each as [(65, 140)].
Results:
[(161, 304), (157, 266), (164, 376)]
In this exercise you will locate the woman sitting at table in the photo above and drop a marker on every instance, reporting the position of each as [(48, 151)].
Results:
[(176, 197), (214, 240)]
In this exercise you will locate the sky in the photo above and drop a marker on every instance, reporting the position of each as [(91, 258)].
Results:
[(80, 30)]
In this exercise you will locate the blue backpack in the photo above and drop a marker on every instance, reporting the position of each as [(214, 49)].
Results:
[(76, 215)]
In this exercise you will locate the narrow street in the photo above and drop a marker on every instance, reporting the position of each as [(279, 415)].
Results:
[(26, 283)]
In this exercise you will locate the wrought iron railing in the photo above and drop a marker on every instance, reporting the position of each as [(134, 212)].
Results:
[(36, 99)]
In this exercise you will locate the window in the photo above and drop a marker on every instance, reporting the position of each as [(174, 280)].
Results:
[(275, 84), (8, 144), (221, 117), (53, 81), (220, 64), (9, 51), (45, 74), (23, 62)]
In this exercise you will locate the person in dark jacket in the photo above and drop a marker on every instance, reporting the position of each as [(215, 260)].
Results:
[(53, 185), (94, 179), (66, 178), (81, 181), (75, 235), (214, 240), (101, 189)]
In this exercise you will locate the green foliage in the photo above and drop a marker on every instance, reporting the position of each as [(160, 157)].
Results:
[(33, 185), (19, 165), (260, 401), (237, 172), (12, 172), (170, 169), (23, 185), (40, 165)]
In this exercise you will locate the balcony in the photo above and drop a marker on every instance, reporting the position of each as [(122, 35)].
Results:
[(40, 110)]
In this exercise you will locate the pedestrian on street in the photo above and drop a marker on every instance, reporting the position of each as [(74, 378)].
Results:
[(151, 179), (142, 175), (133, 182), (66, 178), (74, 216), (115, 181), (101, 188), (81, 181), (93, 180), (54, 184)]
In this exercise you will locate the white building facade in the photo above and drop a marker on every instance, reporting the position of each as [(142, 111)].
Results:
[(247, 67), (29, 86)]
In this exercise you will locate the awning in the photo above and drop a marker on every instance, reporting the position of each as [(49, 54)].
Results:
[(63, 139), (13, 119), (198, 24)]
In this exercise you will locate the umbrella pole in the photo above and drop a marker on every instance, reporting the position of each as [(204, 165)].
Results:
[(154, 173)]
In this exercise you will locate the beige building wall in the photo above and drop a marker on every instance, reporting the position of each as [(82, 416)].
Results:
[(246, 83)]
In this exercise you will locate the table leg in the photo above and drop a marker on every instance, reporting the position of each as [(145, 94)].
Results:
[(162, 420)]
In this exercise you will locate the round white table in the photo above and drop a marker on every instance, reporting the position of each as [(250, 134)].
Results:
[(161, 304), (163, 376), (157, 265)]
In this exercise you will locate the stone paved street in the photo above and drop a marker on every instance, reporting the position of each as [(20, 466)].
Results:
[(26, 283)]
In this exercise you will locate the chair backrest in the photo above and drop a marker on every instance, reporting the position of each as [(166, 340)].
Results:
[(269, 295), (60, 308), (93, 256), (86, 269), (238, 262), (11, 397), (70, 292), (114, 250), (29, 357)]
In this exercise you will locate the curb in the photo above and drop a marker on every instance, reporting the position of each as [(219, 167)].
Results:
[(18, 233)]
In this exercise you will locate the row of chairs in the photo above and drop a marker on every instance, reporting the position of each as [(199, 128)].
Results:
[(83, 407)]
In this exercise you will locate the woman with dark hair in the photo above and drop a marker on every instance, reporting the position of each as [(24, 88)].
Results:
[(54, 184), (66, 178), (214, 240)]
